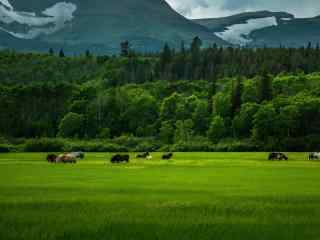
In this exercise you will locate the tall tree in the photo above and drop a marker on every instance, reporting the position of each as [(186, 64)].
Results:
[(61, 53), (236, 96), (212, 91), (196, 57), (88, 54), (165, 59), (125, 48), (51, 51), (264, 86)]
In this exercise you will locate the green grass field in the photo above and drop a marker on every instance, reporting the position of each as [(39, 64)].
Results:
[(195, 196)]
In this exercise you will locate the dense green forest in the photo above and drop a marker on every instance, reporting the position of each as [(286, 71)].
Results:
[(194, 99)]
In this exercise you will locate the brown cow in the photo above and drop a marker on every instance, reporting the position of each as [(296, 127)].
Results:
[(66, 158), (51, 158)]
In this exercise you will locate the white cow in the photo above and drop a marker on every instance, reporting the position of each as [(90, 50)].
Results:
[(78, 155)]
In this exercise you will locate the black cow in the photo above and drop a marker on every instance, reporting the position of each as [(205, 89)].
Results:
[(167, 156), (143, 155), (314, 156), (51, 158), (118, 158), (278, 156)]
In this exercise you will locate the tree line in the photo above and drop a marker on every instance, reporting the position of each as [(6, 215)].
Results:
[(188, 98)]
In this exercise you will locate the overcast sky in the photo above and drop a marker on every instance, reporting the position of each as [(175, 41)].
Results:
[(220, 8)]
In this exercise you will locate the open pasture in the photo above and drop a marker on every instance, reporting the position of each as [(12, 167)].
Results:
[(193, 196)]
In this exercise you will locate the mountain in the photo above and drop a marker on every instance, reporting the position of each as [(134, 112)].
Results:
[(292, 33), (97, 25), (264, 28), (220, 24)]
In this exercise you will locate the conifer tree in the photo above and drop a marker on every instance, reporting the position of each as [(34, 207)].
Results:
[(61, 53), (264, 86), (236, 96)]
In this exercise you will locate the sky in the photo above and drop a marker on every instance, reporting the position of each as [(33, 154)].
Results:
[(221, 8)]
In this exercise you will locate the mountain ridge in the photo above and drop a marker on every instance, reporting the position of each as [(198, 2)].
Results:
[(265, 28), (100, 26)]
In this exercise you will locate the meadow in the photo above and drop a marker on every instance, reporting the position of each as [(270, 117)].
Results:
[(194, 196)]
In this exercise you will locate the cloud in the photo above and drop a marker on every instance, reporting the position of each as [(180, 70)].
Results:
[(219, 8), (186, 7)]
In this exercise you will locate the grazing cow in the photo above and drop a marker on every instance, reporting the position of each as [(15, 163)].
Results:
[(118, 158), (149, 157), (78, 155), (69, 158), (143, 155), (314, 156), (167, 156), (277, 156), (51, 158), (66, 158)]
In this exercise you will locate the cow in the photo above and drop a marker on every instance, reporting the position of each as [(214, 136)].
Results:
[(149, 157), (277, 156), (78, 155), (66, 158), (118, 158), (143, 155), (167, 156), (51, 158), (314, 156)]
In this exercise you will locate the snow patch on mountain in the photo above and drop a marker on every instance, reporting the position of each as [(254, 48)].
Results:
[(6, 4), (55, 18), (239, 34)]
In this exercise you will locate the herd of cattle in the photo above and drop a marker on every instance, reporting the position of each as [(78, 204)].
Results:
[(283, 157), (118, 158), (125, 158), (65, 157)]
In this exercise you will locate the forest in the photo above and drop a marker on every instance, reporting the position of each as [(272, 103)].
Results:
[(191, 99)]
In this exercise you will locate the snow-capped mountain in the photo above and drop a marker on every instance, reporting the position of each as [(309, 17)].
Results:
[(239, 34), (100, 26), (264, 28), (237, 29), (97, 25)]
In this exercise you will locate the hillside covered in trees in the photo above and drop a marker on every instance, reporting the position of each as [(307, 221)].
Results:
[(213, 99)]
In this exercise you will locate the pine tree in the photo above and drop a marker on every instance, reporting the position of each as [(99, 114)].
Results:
[(236, 96), (165, 59), (212, 91), (88, 54), (181, 62), (196, 56), (264, 88), (61, 53), (125, 48), (196, 45), (51, 52)]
